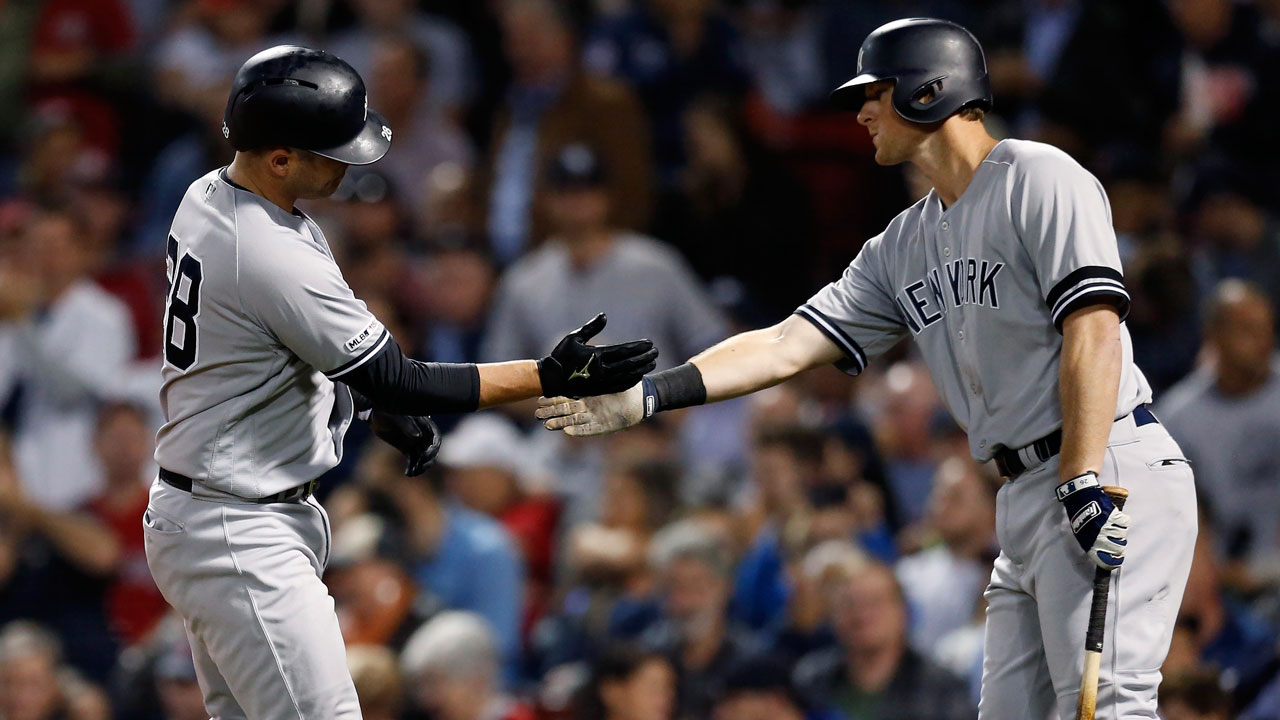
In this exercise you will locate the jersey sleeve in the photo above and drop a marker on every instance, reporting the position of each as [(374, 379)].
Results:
[(297, 293), (1062, 215), (856, 312)]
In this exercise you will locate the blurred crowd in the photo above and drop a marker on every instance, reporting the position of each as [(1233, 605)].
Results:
[(817, 551)]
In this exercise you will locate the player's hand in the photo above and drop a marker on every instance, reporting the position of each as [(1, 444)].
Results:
[(576, 369), (1100, 527), (414, 435), (593, 415)]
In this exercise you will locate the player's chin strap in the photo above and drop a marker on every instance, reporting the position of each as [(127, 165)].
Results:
[(681, 386)]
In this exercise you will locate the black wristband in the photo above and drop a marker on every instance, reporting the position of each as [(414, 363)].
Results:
[(679, 387)]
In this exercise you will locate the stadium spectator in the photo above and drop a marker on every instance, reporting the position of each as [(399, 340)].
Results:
[(459, 557), (124, 443), (627, 683), (550, 104), (64, 347), (1222, 416), (694, 575), (785, 465), (1194, 696), (943, 583), (489, 467), (80, 60), (761, 689), (731, 205), (903, 426), (1236, 235), (195, 62), (175, 679), (377, 679), (874, 674), (453, 666), (446, 65), (33, 683), (459, 281), (428, 140), (642, 284), (671, 51)]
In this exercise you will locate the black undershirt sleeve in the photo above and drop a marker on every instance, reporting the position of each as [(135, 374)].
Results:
[(393, 383)]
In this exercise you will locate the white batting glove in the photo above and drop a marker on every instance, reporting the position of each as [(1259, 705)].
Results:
[(597, 415)]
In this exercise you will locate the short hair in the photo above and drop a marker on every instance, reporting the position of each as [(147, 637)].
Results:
[(23, 638), (618, 661), (658, 481), (374, 672), (1227, 292), (108, 412), (455, 643), (972, 114), (690, 540), (807, 444)]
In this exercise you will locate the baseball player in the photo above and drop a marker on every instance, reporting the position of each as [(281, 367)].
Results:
[(1007, 277), (267, 358)]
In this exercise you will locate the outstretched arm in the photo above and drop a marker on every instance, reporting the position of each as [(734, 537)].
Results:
[(738, 366)]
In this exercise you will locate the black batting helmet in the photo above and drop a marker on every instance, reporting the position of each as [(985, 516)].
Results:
[(924, 56), (291, 96)]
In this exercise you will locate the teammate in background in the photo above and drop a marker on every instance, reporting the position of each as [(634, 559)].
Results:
[(1008, 278), (268, 356)]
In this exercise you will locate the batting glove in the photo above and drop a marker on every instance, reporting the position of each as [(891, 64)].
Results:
[(576, 369), (1099, 526), (597, 415), (415, 436)]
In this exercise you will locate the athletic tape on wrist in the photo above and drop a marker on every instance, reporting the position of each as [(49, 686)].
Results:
[(679, 387), (1077, 483)]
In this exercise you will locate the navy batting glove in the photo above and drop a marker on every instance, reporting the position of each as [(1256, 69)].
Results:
[(1100, 527), (415, 436)]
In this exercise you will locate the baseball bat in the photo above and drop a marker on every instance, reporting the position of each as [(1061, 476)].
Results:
[(1088, 700)]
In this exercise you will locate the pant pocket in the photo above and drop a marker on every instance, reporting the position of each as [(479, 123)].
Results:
[(1164, 464), (155, 522)]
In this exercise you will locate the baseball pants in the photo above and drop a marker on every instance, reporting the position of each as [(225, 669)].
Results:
[(246, 579), (1042, 584)]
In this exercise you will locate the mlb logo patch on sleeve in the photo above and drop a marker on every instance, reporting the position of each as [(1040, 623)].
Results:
[(372, 330)]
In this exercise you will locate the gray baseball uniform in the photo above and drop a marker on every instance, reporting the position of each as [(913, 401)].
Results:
[(983, 287), (258, 322)]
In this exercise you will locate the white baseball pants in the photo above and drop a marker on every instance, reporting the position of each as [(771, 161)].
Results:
[(1042, 584), (246, 578)]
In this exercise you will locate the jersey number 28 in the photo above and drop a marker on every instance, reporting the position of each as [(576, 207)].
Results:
[(183, 307)]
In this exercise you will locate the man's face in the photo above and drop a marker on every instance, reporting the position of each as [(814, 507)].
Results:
[(312, 177), (895, 139), (694, 592), (28, 688), (578, 210), (869, 613), (1245, 337)]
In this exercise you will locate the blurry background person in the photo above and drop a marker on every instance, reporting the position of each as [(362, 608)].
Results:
[(1225, 416), (874, 674), (65, 345), (627, 683), (453, 668)]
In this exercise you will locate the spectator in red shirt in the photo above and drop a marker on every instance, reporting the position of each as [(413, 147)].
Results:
[(124, 446), (78, 52)]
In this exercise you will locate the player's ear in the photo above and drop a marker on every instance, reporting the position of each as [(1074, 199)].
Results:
[(280, 160)]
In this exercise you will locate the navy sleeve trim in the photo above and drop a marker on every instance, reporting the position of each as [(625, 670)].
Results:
[(1084, 281), (838, 336), (1118, 300), (363, 358)]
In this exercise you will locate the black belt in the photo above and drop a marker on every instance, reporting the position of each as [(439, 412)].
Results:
[(293, 494), (1010, 461)]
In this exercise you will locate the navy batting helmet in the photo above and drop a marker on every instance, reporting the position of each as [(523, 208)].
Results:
[(938, 67), (291, 96)]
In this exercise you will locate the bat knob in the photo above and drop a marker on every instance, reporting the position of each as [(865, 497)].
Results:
[(1117, 494)]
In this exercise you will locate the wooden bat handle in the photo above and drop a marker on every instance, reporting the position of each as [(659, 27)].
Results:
[(1088, 701)]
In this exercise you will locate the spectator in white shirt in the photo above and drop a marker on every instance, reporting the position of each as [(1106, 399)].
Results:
[(65, 346)]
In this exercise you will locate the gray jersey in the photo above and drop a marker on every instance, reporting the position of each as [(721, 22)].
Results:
[(983, 287), (258, 323)]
